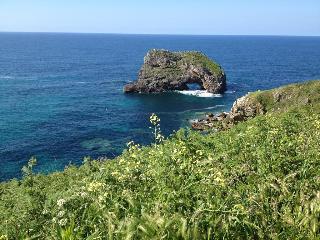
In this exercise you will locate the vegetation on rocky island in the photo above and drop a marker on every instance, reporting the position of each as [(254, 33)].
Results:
[(163, 71)]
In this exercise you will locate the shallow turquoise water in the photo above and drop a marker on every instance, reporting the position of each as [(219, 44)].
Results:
[(61, 94)]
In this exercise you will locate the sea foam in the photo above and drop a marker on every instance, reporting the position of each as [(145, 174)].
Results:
[(199, 93), (5, 77)]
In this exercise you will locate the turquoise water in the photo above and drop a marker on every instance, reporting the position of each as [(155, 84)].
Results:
[(61, 94)]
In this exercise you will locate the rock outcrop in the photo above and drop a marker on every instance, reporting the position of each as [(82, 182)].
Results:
[(168, 71), (243, 108), (261, 102)]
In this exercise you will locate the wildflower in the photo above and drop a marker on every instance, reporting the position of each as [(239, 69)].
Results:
[(60, 214), (154, 119), (100, 198), (115, 173), (83, 194), (61, 202), (63, 222), (199, 152), (317, 124), (130, 143), (95, 186), (219, 179), (239, 208), (45, 212), (132, 146)]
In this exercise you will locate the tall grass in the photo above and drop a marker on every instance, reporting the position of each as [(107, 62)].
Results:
[(259, 180)]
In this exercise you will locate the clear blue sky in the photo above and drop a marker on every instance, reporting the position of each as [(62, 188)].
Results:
[(244, 17)]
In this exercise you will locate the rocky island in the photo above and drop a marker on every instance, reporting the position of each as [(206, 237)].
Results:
[(169, 71)]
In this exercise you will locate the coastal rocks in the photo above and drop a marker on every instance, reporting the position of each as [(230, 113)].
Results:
[(168, 71), (277, 100), (242, 109), (245, 107), (211, 121)]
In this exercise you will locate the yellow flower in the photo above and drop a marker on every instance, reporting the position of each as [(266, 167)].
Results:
[(219, 179), (154, 119), (95, 186), (239, 208)]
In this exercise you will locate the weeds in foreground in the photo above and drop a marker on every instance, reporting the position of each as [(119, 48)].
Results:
[(259, 180)]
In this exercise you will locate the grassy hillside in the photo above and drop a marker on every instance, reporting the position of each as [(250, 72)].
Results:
[(274, 101), (287, 97), (258, 180)]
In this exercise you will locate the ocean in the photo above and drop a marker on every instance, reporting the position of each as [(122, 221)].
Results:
[(61, 95)]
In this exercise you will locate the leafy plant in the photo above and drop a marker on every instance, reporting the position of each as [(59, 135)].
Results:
[(257, 180)]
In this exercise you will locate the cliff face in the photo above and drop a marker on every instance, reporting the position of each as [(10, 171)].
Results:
[(168, 71)]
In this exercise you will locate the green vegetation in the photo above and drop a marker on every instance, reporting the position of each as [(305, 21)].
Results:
[(203, 60), (181, 58), (287, 97), (257, 180), (283, 99)]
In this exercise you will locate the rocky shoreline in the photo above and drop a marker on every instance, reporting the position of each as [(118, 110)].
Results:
[(259, 103), (243, 108)]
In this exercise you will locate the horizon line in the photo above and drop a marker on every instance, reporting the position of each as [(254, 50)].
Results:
[(162, 34)]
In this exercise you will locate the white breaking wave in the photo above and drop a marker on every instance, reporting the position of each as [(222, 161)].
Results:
[(216, 106), (199, 93), (6, 77), (230, 91)]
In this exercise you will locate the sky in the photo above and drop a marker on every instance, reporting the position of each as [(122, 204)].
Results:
[(198, 17)]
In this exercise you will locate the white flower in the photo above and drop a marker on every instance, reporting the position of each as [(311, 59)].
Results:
[(154, 119), (63, 222), (45, 211), (100, 198), (83, 194), (61, 202), (60, 214)]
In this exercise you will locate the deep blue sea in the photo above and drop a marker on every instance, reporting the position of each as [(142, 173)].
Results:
[(61, 94)]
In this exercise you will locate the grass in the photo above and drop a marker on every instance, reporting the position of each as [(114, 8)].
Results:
[(258, 180), (203, 60), (196, 58), (290, 96)]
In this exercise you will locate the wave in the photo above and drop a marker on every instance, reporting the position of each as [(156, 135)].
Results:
[(6, 77), (199, 93), (216, 106), (202, 109), (192, 110), (230, 91)]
